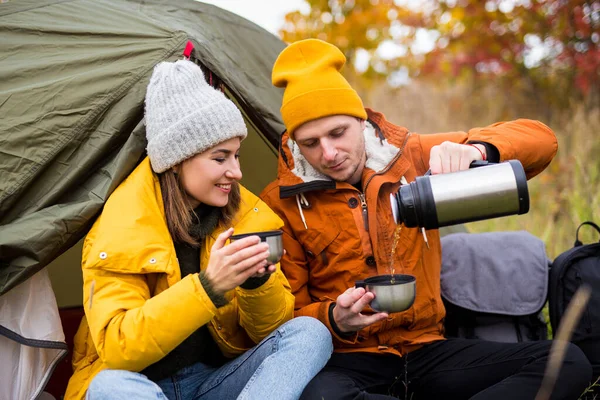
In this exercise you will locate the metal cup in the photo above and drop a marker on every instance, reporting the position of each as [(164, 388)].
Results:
[(391, 295), (273, 238)]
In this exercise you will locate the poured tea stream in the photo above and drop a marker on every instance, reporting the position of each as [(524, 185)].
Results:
[(393, 292), (394, 244)]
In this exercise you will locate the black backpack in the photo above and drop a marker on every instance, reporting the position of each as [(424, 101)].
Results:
[(494, 286), (471, 324), (571, 269)]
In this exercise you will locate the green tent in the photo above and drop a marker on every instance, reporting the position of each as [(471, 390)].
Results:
[(73, 75)]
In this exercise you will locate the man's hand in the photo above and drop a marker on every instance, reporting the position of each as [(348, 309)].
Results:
[(452, 157), (348, 308)]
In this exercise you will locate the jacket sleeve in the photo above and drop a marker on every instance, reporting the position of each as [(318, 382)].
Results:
[(263, 309), (132, 330), (529, 141), (295, 269)]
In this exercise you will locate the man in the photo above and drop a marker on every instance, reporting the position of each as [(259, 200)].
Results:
[(337, 166)]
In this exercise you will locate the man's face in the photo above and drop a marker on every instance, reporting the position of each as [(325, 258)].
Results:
[(335, 146)]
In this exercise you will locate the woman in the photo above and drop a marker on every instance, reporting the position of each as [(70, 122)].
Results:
[(171, 309)]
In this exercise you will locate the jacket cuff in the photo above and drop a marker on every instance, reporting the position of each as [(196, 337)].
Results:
[(491, 152), (334, 325), (217, 299), (255, 282), (347, 338)]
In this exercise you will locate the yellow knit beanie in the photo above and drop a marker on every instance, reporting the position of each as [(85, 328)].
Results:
[(314, 87)]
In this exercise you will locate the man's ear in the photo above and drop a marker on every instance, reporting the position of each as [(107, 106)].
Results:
[(363, 124)]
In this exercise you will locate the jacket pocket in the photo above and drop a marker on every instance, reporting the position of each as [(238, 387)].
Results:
[(318, 243)]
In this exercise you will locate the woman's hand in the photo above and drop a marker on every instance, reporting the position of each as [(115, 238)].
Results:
[(266, 270), (230, 265)]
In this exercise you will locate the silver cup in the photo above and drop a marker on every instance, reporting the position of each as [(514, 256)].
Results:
[(391, 295), (273, 238)]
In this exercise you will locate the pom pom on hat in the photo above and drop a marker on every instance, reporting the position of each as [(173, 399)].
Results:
[(185, 115), (309, 70)]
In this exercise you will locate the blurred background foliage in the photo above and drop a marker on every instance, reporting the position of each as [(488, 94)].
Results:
[(441, 65)]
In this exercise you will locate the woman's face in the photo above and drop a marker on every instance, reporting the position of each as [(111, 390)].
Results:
[(207, 177)]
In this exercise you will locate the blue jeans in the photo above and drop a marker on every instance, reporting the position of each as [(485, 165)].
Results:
[(279, 367)]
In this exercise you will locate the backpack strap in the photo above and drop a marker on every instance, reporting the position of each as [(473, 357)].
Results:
[(517, 325), (590, 223)]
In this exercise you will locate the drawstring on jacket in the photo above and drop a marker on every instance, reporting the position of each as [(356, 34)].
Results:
[(301, 201), (425, 237)]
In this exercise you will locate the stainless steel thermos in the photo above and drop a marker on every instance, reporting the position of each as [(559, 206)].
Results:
[(484, 191)]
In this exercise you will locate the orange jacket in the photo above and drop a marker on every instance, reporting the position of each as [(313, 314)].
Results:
[(330, 244)]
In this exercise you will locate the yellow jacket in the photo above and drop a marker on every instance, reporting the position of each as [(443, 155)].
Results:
[(137, 307)]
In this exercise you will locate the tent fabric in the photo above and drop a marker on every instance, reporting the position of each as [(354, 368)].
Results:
[(73, 76), (495, 272), (31, 340)]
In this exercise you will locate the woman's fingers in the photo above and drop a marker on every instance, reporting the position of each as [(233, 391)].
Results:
[(248, 252), (240, 244), (247, 264), (264, 270), (221, 239)]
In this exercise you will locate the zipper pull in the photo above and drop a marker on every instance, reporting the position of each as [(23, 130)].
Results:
[(425, 237), (365, 214)]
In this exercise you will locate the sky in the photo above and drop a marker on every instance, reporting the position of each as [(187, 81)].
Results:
[(268, 14)]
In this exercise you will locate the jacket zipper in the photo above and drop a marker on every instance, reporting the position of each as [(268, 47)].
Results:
[(365, 213), (361, 196)]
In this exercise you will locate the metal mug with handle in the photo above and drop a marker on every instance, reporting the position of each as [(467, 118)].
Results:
[(393, 293)]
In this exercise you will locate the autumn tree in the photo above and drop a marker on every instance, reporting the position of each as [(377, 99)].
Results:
[(547, 49)]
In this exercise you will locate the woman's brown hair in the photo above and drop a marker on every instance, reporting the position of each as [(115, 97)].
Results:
[(179, 213)]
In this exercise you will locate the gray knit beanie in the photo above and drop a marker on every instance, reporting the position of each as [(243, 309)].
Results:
[(185, 115)]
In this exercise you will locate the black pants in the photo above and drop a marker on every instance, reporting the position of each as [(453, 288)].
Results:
[(450, 369)]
